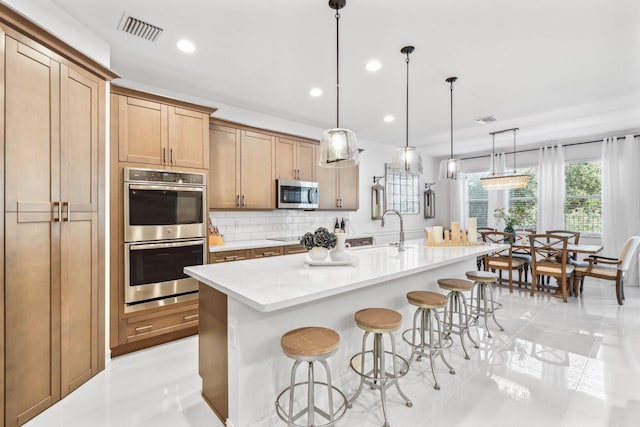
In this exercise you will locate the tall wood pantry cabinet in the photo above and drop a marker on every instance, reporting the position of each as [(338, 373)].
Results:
[(53, 219)]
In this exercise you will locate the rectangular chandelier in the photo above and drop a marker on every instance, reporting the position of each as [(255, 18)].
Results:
[(505, 182)]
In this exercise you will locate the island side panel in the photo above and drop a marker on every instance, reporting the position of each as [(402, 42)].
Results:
[(212, 350), (258, 370)]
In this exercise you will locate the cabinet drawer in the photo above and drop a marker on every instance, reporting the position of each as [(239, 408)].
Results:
[(143, 327), (360, 241), (227, 256), (294, 249), (267, 252)]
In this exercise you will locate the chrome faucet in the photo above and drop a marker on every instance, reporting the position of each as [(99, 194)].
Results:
[(401, 243)]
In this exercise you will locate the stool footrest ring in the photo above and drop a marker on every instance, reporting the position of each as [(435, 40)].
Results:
[(447, 341), (337, 414), (356, 362)]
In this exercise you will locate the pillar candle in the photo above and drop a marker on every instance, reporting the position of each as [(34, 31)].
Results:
[(473, 230), (437, 234), (455, 232), (463, 235), (429, 235), (446, 236)]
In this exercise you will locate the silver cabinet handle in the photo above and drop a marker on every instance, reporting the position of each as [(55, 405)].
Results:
[(143, 328), (66, 210), (57, 212), (172, 160), (164, 155), (243, 205), (192, 317), (238, 201), (230, 257)]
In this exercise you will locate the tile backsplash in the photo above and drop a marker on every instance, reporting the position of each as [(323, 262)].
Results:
[(256, 225)]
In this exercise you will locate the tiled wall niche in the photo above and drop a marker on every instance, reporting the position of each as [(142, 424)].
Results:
[(256, 225)]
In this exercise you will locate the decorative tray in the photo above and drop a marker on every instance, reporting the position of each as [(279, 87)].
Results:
[(313, 263), (455, 244)]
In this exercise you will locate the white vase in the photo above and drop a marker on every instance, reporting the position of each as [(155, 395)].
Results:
[(340, 252), (318, 254)]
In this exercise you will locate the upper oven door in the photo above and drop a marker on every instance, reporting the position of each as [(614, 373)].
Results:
[(156, 212), (297, 194)]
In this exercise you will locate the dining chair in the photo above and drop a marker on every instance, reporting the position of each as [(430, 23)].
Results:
[(610, 268), (502, 259), (522, 235), (573, 237), (549, 258), (480, 259)]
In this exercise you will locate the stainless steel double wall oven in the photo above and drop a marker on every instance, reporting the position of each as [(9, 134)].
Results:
[(165, 227)]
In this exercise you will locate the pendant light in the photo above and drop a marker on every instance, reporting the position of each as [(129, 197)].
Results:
[(407, 159), (451, 168), (506, 181), (338, 146)]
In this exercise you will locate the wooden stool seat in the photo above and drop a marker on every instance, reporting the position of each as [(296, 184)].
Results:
[(426, 299), (309, 341), (455, 284), (378, 320), (482, 276)]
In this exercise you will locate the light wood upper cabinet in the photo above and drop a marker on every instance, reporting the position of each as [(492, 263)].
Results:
[(338, 188), (295, 159), (156, 131), (188, 138), (241, 174), (53, 113)]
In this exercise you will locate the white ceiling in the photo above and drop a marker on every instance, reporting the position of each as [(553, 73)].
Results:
[(532, 63)]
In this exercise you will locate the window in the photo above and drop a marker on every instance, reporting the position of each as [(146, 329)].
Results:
[(402, 191), (583, 202), (525, 198)]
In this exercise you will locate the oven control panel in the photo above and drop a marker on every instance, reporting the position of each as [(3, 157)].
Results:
[(163, 176)]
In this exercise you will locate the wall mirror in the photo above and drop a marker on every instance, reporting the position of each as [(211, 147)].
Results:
[(402, 190)]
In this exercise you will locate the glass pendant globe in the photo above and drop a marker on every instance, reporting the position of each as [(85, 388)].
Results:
[(407, 160), (338, 149)]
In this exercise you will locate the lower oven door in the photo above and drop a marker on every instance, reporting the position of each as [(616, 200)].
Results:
[(154, 270)]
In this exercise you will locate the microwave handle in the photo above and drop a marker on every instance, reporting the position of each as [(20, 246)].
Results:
[(313, 195)]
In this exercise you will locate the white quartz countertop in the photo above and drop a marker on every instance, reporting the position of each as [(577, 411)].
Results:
[(250, 244), (275, 283)]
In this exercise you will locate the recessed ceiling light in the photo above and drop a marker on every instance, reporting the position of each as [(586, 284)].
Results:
[(315, 92), (389, 118), (373, 66), (485, 120), (186, 46)]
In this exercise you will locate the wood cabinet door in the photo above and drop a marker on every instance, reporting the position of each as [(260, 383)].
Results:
[(348, 187), (285, 158), (188, 138), (79, 95), (257, 182), (224, 167), (306, 161), (142, 131), (31, 239), (327, 188)]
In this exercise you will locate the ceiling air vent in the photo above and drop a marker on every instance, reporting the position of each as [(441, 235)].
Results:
[(139, 28), (488, 119)]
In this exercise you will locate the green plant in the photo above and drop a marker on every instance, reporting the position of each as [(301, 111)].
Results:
[(510, 217)]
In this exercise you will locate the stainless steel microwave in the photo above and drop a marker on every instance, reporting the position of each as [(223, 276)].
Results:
[(293, 194)]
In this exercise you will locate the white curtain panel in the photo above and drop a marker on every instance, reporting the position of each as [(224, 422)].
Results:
[(551, 189), (621, 197), (459, 202), (497, 198)]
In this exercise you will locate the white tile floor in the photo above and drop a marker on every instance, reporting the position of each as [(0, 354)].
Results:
[(575, 364)]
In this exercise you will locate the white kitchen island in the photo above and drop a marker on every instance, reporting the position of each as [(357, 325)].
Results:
[(246, 306)]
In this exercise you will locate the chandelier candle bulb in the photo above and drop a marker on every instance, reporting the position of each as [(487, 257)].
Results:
[(472, 224), (455, 232), (437, 234)]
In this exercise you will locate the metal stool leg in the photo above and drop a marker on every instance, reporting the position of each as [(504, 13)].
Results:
[(359, 390), (292, 387), (467, 315), (493, 309), (395, 373), (311, 396), (440, 351), (381, 373)]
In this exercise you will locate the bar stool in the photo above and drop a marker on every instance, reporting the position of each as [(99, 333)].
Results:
[(483, 287), (310, 344), (457, 303), (428, 304), (371, 365)]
